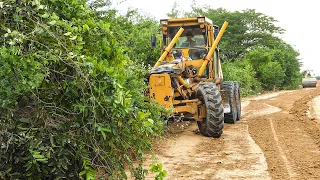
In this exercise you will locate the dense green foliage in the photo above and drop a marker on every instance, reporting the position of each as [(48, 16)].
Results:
[(138, 31), (133, 32), (247, 29), (244, 73), (71, 101), (275, 68)]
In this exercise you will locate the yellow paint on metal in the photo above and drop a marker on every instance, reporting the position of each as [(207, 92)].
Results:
[(184, 20), (183, 109), (185, 101), (211, 51), (161, 89), (160, 84), (181, 81), (194, 63)]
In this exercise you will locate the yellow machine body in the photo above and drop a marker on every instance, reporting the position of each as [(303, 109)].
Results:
[(176, 89), (161, 89), (188, 78)]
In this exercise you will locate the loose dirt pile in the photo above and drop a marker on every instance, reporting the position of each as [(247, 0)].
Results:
[(289, 139)]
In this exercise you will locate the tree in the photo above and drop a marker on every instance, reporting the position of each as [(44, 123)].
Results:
[(284, 61), (243, 73), (287, 57), (135, 31), (251, 36), (175, 12), (247, 29), (272, 76)]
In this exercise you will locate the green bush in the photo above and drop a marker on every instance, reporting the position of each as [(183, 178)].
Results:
[(71, 100), (134, 33), (275, 68), (244, 74), (272, 75)]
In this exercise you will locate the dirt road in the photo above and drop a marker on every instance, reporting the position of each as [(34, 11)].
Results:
[(278, 137)]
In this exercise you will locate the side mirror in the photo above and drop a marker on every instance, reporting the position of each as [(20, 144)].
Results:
[(153, 41), (216, 31)]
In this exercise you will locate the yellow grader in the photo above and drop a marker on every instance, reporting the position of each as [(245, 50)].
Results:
[(188, 76)]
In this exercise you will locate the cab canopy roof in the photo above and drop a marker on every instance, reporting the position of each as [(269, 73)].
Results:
[(193, 20)]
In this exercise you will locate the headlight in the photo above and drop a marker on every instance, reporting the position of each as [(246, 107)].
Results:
[(201, 20), (164, 22)]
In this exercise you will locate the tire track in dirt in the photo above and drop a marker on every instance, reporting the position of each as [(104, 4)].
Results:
[(281, 137), (289, 139), (234, 155), (244, 158), (291, 173)]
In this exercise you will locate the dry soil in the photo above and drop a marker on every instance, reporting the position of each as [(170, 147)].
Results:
[(278, 137)]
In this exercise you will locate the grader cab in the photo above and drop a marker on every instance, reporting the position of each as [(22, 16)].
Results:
[(188, 76)]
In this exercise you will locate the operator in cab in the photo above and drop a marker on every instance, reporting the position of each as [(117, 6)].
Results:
[(189, 42)]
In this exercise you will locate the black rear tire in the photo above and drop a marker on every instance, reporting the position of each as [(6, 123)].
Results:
[(212, 125), (232, 116), (238, 99)]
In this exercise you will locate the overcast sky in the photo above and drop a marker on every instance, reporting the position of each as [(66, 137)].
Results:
[(300, 19)]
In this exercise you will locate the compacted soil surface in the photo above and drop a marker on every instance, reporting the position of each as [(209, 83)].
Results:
[(278, 137)]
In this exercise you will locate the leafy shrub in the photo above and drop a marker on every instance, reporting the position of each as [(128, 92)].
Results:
[(275, 68), (272, 75), (71, 101), (134, 33), (244, 74)]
